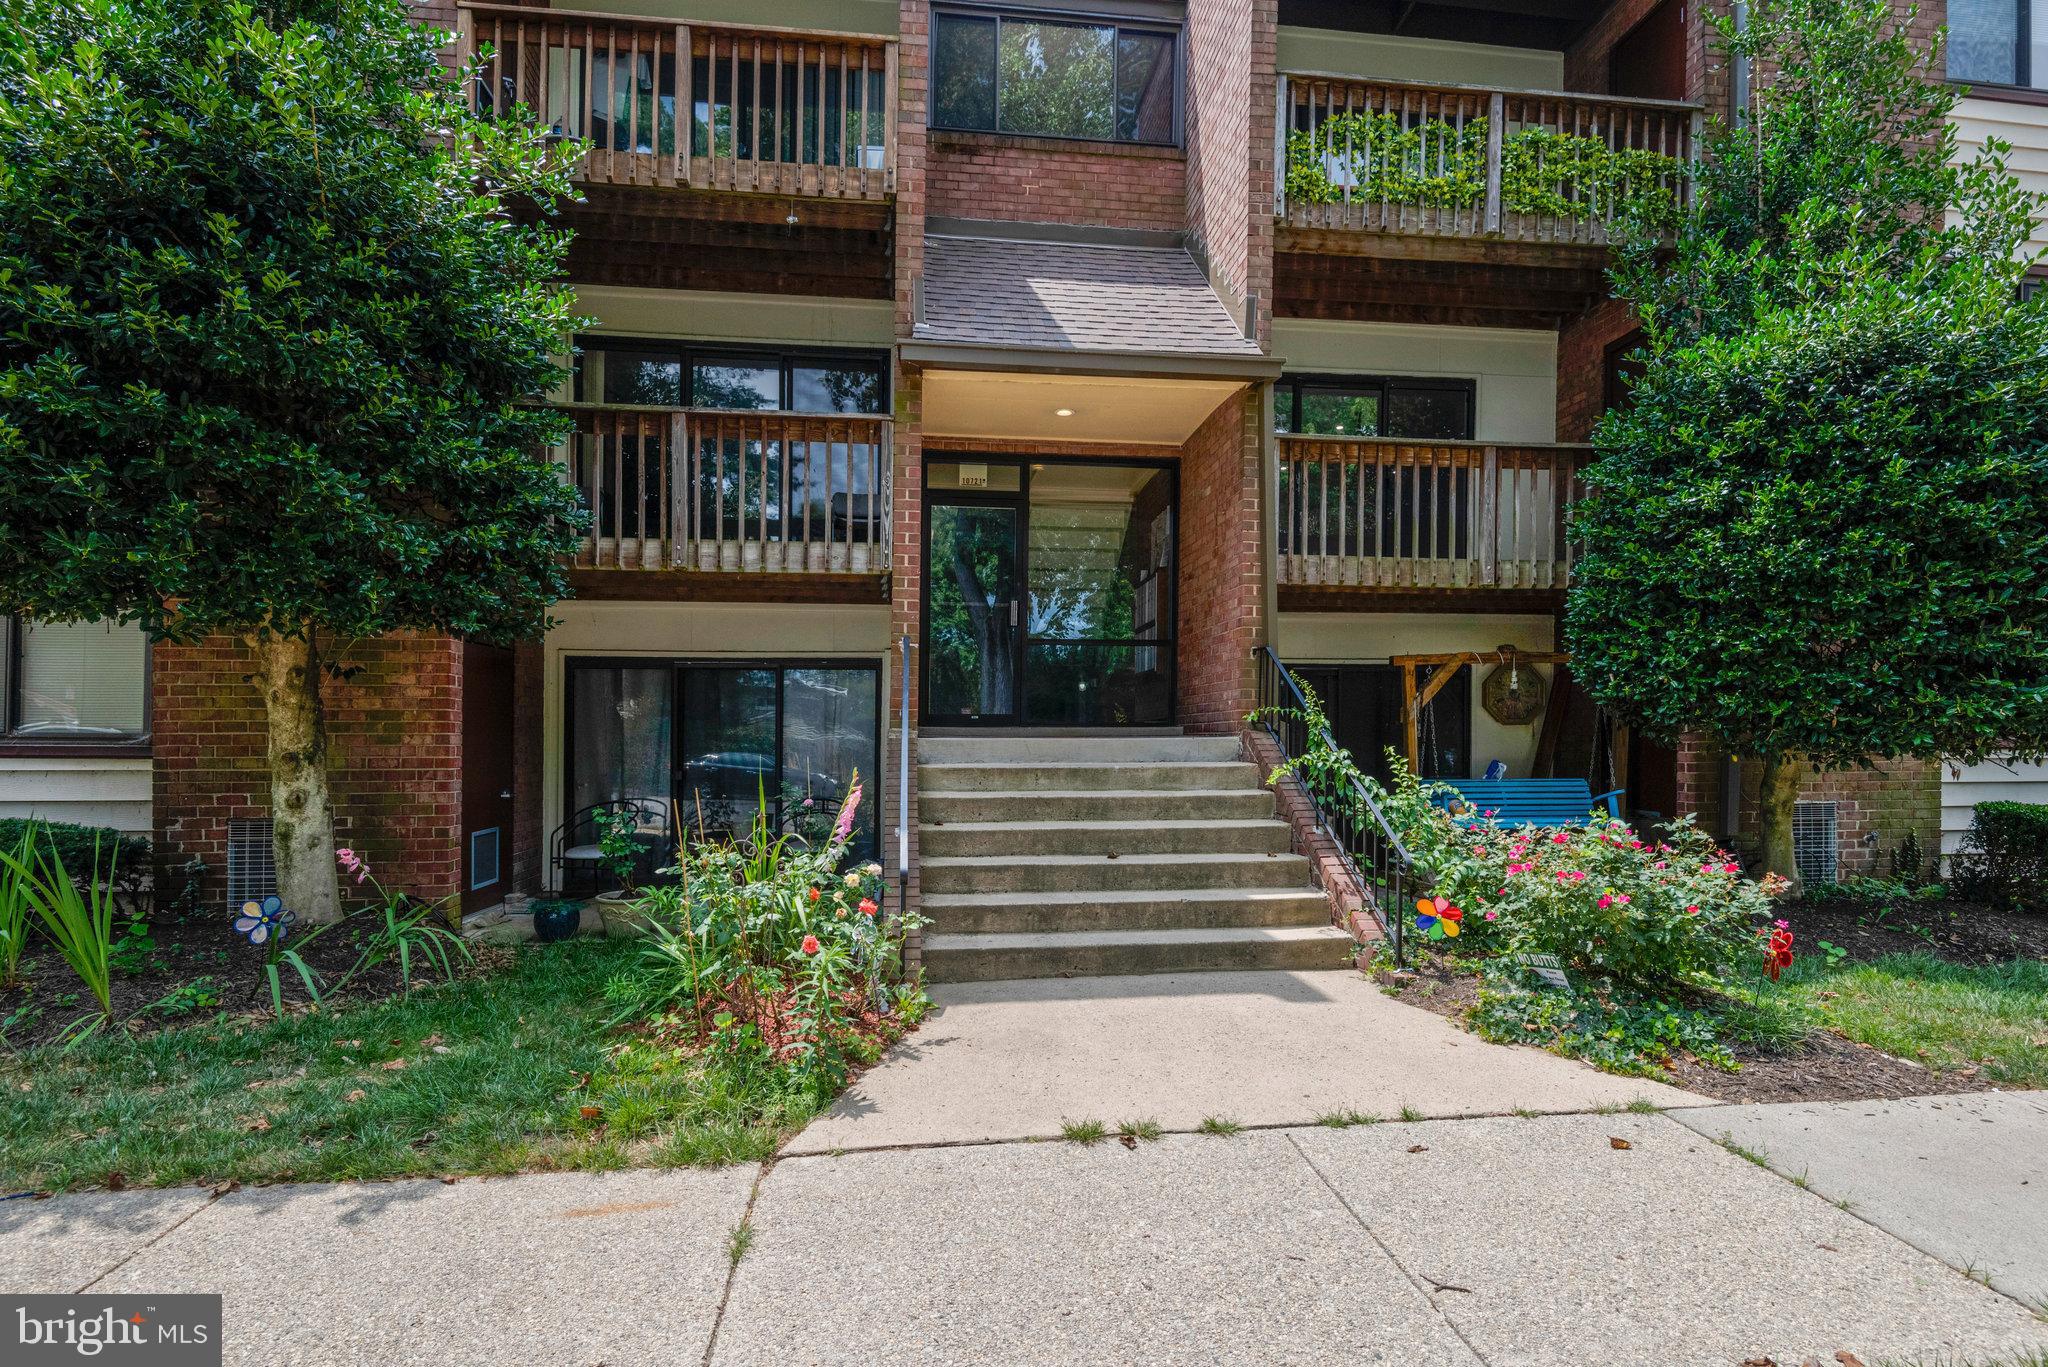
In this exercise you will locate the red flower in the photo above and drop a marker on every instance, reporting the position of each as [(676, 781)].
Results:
[(810, 944), (868, 907), (814, 894)]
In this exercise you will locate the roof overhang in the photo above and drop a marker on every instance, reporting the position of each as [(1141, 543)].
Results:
[(1054, 361)]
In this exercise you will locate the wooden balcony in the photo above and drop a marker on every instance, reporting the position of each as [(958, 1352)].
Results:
[(1390, 516), (697, 105), (1358, 156), (735, 491)]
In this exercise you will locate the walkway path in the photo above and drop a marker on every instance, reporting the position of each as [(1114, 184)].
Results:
[(1490, 1241), (928, 1219), (1014, 1060)]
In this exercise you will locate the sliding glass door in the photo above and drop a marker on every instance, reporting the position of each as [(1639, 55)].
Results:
[(720, 738)]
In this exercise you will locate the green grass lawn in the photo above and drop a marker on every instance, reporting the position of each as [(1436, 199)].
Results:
[(1944, 1015), (487, 1075)]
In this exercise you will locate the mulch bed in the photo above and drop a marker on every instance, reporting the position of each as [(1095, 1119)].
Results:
[(1826, 1068), (1961, 932), (189, 946)]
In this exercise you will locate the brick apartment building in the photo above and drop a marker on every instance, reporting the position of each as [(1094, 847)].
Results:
[(1078, 347)]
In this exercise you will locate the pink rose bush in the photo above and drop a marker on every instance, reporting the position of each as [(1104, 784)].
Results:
[(1653, 911)]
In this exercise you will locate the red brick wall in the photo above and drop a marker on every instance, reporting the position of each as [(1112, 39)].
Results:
[(1222, 594), (1582, 366), (1047, 180), (395, 755), (906, 589), (1890, 800), (1218, 103), (913, 84)]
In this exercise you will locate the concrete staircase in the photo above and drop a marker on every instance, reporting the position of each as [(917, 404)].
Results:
[(1064, 856)]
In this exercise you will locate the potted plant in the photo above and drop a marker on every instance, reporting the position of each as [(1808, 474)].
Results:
[(620, 850), (556, 918)]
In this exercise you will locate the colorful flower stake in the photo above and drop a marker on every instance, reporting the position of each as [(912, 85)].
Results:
[(264, 920), (1437, 918)]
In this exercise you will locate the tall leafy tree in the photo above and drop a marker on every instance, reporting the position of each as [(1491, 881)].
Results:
[(269, 330), (1819, 532)]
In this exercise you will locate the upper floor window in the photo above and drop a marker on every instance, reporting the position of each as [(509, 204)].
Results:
[(1057, 78), (692, 375), (1998, 42), (73, 681), (1374, 406)]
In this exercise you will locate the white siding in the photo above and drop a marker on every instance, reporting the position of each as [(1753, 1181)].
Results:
[(1993, 782), (91, 792), (2025, 126), (1516, 371), (1418, 59)]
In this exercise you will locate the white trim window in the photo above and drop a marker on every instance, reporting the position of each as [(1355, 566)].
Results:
[(73, 681)]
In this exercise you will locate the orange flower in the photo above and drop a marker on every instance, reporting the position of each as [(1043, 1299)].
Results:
[(868, 907)]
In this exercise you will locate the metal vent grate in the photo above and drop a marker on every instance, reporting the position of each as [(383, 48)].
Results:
[(252, 862), (1813, 841), (483, 858)]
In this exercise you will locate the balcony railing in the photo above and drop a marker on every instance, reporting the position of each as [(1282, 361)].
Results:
[(707, 106), (1463, 161), (715, 489), (1381, 513)]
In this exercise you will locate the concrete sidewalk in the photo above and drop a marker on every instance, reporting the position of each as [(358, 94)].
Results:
[(1013, 1060), (1495, 1241), (1963, 1177)]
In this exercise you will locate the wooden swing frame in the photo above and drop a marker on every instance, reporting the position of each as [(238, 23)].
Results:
[(1445, 666)]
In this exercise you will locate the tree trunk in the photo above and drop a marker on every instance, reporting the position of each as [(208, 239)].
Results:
[(1774, 805), (288, 672)]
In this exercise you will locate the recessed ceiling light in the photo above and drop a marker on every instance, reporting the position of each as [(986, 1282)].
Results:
[(1063, 412)]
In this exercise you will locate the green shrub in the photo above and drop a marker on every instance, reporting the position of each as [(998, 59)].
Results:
[(2004, 857), (124, 857)]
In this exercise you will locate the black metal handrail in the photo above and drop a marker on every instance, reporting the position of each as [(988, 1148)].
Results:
[(1387, 876)]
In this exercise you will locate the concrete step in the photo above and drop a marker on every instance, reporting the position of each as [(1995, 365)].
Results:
[(1106, 748), (1109, 804), (1035, 838), (981, 958), (1097, 873), (1013, 776), (1012, 913)]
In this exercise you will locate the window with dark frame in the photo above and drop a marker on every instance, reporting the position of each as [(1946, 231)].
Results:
[(73, 682), (1375, 406), (1998, 42), (1055, 75), (823, 380), (1380, 508), (718, 736)]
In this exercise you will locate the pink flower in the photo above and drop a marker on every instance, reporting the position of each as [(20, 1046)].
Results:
[(1494, 915), (1622, 898), (1660, 864), (1560, 838), (1604, 902), (1731, 868), (1692, 911), (1576, 876), (810, 945), (1479, 850)]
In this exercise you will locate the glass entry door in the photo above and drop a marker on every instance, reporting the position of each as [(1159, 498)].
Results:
[(972, 614), (1049, 592)]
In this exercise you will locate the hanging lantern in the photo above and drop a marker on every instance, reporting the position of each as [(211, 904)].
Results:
[(1512, 695)]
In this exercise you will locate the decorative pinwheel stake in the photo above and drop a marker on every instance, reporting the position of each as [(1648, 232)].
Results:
[(1437, 918), (264, 921)]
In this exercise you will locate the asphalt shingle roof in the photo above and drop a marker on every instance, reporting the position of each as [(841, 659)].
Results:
[(1073, 297)]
